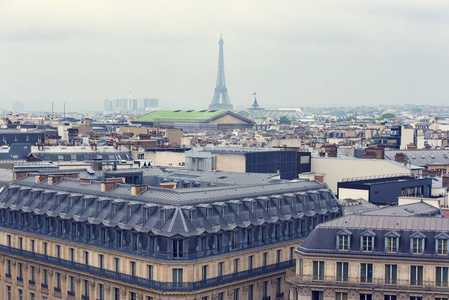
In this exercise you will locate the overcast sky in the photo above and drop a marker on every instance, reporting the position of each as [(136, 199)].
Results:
[(292, 53)]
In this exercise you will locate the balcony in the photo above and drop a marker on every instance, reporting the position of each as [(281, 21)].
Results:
[(7, 275), (398, 284), (70, 293), (84, 297), (57, 290), (44, 286), (279, 295), (20, 279), (145, 282), (32, 282)]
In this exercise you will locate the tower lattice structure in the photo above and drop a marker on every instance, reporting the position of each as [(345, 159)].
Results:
[(220, 101)]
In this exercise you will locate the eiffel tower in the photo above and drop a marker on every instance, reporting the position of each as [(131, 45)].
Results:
[(220, 101)]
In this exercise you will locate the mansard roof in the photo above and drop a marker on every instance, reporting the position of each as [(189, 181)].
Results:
[(322, 238), (244, 205)]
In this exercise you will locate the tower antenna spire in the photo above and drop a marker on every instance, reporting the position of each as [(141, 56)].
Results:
[(220, 100)]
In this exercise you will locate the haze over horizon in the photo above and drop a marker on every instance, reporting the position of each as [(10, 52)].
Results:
[(292, 53)]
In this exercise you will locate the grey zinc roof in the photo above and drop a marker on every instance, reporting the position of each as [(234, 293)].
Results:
[(357, 206), (191, 196), (388, 223), (422, 157), (70, 199), (407, 210), (323, 237)]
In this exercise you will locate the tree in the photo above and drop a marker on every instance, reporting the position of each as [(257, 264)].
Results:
[(284, 120), (387, 116)]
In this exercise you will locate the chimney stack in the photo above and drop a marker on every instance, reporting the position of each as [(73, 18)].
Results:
[(40, 178), (117, 180), (136, 190), (445, 181), (400, 158), (85, 181), (19, 175), (108, 186), (168, 185), (54, 179)]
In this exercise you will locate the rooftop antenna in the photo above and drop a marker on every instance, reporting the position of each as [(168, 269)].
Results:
[(52, 110), (64, 110)]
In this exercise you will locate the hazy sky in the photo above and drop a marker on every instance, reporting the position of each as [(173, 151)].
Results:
[(292, 53)]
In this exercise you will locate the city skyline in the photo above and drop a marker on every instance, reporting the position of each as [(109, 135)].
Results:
[(292, 54)]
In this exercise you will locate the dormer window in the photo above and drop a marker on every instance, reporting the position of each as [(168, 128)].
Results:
[(163, 216), (253, 207), (441, 242), (343, 240), (146, 213), (441, 246), (129, 211), (392, 242), (417, 243), (367, 241)]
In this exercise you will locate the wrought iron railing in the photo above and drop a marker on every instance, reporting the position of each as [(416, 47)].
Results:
[(148, 283), (373, 282)]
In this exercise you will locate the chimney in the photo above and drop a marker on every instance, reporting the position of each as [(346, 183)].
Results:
[(117, 180), (93, 146), (445, 182), (20, 175), (319, 178), (97, 166), (40, 147), (168, 185), (73, 175), (108, 186), (322, 154), (85, 181), (40, 178), (400, 158), (54, 179), (136, 190)]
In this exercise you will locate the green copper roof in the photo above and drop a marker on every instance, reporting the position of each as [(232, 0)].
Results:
[(180, 115)]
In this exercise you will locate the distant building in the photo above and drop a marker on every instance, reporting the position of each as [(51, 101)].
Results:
[(15, 151), (399, 137), (12, 136), (190, 120), (384, 190), (78, 154), (338, 168), (433, 160), (122, 105), (250, 160)]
